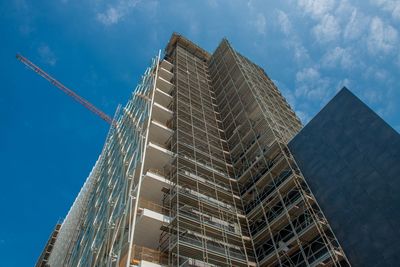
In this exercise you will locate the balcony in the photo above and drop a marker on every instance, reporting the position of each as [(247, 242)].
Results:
[(164, 85), (158, 155), (161, 114), (151, 217), (152, 185), (166, 65), (165, 74), (162, 98), (159, 133)]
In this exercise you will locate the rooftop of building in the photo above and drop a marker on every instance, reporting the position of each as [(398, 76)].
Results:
[(189, 45), (197, 50)]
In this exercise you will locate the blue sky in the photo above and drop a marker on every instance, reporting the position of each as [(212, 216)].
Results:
[(99, 48)]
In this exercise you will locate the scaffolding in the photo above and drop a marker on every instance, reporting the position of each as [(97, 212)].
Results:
[(205, 217), (95, 232), (197, 173), (286, 225)]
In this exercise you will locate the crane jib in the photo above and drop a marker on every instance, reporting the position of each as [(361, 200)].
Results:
[(66, 90)]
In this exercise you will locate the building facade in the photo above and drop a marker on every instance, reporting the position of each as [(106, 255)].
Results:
[(197, 172)]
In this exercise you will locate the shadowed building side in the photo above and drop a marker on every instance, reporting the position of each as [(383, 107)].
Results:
[(350, 158)]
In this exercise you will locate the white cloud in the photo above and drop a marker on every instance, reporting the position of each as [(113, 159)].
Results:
[(307, 74), (115, 13), (111, 16), (381, 74), (391, 6), (338, 57), (378, 74), (382, 38), (343, 83), (294, 102), (373, 96), (287, 93), (300, 53), (284, 22), (261, 24), (317, 8), (310, 84), (47, 55), (355, 27), (383, 93), (327, 29), (344, 9)]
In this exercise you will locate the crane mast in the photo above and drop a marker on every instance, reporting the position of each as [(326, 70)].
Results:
[(66, 90)]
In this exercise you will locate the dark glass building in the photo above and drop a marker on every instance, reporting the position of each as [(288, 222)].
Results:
[(351, 159)]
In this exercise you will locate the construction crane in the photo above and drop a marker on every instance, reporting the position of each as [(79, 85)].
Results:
[(63, 88)]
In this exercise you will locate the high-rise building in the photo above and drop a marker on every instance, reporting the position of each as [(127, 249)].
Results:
[(197, 172)]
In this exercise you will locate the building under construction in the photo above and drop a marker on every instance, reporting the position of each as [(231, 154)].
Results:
[(196, 171)]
